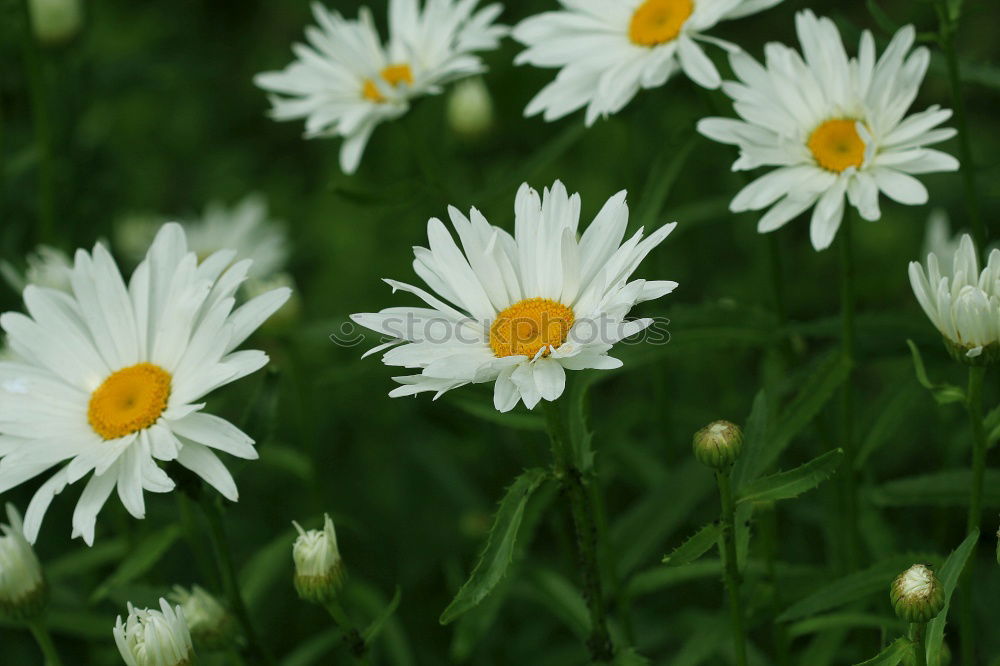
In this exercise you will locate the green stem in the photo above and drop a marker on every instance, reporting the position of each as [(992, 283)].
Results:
[(732, 569), (948, 27), (230, 582), (355, 643), (849, 494), (43, 131), (974, 406), (44, 640), (918, 634), (571, 479)]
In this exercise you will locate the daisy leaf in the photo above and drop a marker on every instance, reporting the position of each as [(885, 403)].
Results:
[(948, 574), (891, 655), (696, 545), (794, 482)]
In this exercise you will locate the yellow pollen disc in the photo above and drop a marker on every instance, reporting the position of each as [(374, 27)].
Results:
[(836, 145), (393, 75), (130, 400), (659, 21), (530, 325)]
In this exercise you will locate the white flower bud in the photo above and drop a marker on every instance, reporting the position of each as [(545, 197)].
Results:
[(917, 594), (965, 306), (55, 21), (211, 626), (319, 571), (23, 592), (154, 638), (718, 444), (470, 109)]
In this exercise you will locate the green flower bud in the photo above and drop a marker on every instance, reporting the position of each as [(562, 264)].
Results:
[(917, 595), (211, 625), (23, 592), (319, 571), (55, 21), (470, 109), (718, 444)]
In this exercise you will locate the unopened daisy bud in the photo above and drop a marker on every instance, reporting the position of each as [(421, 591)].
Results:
[(211, 626), (718, 444), (154, 637), (23, 592), (319, 571), (470, 109), (55, 21), (917, 595)]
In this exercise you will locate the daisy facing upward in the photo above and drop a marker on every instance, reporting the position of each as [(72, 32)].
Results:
[(832, 127), (519, 310), (607, 50), (344, 83), (110, 379)]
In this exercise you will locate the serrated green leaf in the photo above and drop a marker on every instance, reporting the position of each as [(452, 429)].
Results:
[(696, 545), (794, 482), (891, 655), (499, 550), (141, 559), (372, 632), (943, 393), (852, 587), (948, 574), (947, 488)]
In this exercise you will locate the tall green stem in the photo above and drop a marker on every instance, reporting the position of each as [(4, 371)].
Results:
[(571, 479), (355, 643), (43, 131), (44, 640), (848, 478), (732, 569), (918, 634), (974, 406), (230, 582), (948, 27)]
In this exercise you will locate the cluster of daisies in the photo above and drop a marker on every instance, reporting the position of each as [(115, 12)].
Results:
[(103, 380)]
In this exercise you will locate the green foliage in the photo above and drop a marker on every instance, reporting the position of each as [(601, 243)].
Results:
[(695, 546), (943, 393), (948, 575), (499, 551), (893, 654), (794, 482)]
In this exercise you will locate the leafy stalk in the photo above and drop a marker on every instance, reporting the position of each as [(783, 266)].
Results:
[(44, 640), (732, 571), (571, 479), (918, 633), (230, 583)]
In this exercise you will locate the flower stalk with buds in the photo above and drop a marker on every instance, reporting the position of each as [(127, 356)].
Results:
[(717, 446)]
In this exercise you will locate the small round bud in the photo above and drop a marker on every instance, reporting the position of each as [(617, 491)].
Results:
[(23, 592), (154, 637), (319, 571), (718, 444), (917, 595), (211, 626), (470, 109)]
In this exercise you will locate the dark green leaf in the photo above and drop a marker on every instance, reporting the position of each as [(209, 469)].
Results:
[(697, 545), (891, 655), (943, 393), (845, 621), (949, 574), (499, 551), (141, 559), (794, 482), (948, 488), (890, 416)]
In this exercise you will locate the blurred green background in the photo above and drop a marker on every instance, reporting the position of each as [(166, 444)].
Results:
[(152, 111)]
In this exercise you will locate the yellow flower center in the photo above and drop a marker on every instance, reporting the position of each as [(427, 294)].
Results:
[(529, 325), (130, 400), (836, 145), (393, 75), (658, 21)]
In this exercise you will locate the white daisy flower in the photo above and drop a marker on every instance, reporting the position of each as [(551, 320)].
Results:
[(834, 126), (519, 310), (113, 377), (154, 637), (608, 49), (345, 82), (965, 306), (47, 267)]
